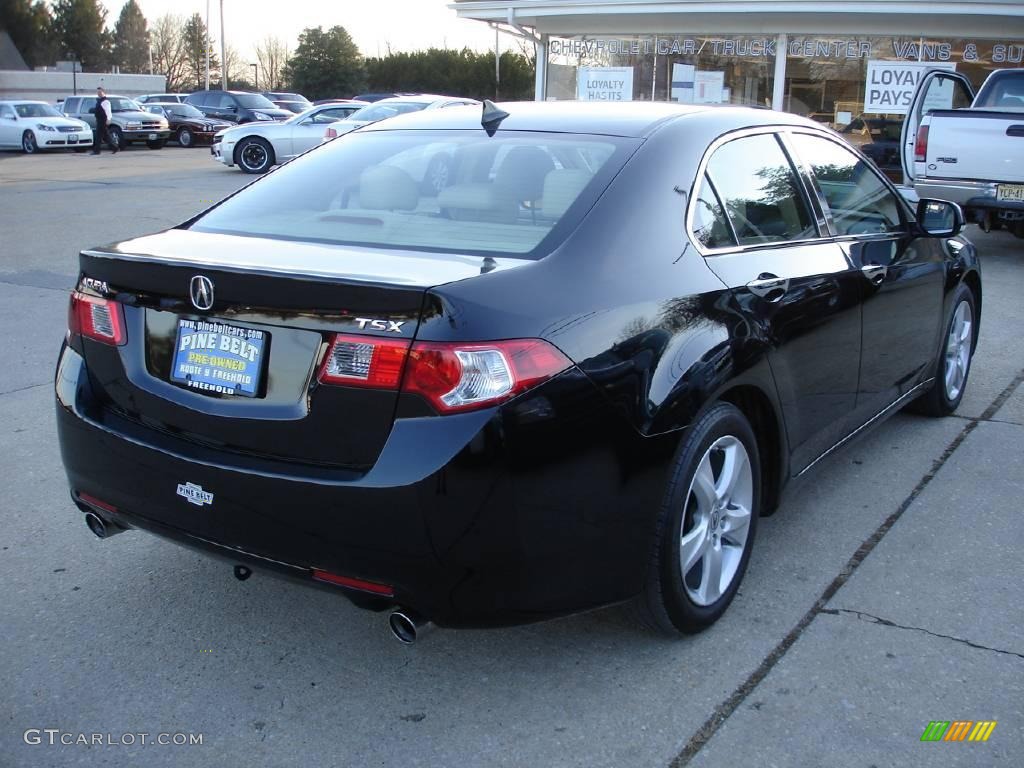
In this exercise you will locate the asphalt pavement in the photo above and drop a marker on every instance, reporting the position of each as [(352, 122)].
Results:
[(884, 594)]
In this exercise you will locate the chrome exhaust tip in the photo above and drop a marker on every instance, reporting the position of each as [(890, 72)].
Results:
[(101, 528), (408, 626)]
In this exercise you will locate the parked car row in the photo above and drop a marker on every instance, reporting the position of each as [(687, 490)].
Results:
[(256, 148)]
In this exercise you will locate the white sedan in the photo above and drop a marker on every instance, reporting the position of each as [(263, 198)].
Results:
[(255, 147), (36, 125)]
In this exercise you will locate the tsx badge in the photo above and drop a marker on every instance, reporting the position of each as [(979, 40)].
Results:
[(194, 494)]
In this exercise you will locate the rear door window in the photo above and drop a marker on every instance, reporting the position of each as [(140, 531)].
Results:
[(760, 191), (860, 202), (709, 223), (87, 105)]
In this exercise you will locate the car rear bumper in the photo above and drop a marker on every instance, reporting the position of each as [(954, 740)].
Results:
[(973, 196), (535, 509)]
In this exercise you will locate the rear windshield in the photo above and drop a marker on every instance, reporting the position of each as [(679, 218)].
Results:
[(390, 109), (1003, 91), (516, 193)]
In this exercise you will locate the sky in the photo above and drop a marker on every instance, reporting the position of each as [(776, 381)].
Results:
[(406, 25)]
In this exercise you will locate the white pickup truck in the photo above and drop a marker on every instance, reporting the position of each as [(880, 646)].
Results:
[(969, 149)]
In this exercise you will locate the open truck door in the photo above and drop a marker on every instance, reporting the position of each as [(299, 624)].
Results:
[(938, 89)]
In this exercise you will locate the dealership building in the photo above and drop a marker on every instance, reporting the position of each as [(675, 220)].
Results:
[(830, 59)]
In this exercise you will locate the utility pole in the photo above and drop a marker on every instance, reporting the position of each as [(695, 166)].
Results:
[(497, 64), (207, 44), (223, 57)]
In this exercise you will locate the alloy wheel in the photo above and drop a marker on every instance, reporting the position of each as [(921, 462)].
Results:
[(253, 156), (28, 143), (958, 350), (185, 137), (716, 522)]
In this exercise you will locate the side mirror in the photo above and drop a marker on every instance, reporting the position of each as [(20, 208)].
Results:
[(939, 218)]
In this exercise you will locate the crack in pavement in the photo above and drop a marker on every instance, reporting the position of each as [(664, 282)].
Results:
[(22, 389), (872, 619), (725, 710)]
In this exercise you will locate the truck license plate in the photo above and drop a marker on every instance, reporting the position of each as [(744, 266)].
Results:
[(1012, 192)]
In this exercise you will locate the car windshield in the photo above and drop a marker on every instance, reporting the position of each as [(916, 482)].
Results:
[(254, 101), (390, 109), (1006, 92), (447, 191), (290, 97), (121, 104), (36, 110), (183, 110)]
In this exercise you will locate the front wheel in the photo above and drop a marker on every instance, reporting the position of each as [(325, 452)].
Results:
[(705, 528), (254, 155), (954, 364), (185, 137), (28, 143)]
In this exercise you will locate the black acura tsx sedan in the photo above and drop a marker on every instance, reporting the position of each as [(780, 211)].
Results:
[(573, 375)]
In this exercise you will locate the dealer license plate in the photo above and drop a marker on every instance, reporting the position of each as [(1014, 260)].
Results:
[(72, 139), (219, 358), (1013, 192)]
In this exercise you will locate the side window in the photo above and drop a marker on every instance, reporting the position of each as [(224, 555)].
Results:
[(226, 101), (70, 107), (7, 112), (709, 224), (760, 191), (87, 105), (860, 202)]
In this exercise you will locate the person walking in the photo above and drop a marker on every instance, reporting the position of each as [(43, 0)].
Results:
[(103, 118)]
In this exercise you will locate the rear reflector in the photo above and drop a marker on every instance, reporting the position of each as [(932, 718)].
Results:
[(98, 319), (921, 145), (376, 588), (94, 502), (453, 377)]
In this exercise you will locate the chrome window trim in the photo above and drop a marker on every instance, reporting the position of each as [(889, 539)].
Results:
[(725, 138)]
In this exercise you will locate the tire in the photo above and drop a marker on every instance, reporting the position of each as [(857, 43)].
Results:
[(117, 138), (28, 143), (955, 355), (254, 155), (156, 143), (438, 176), (713, 525), (185, 138)]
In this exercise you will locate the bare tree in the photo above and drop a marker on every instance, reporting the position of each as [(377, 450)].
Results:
[(272, 55), (238, 70), (169, 54)]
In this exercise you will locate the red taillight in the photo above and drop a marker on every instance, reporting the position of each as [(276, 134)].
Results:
[(921, 145), (386, 590), (364, 361), (460, 377), (99, 319), (453, 377)]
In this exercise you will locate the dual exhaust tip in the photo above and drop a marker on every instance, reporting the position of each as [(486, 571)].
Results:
[(406, 625)]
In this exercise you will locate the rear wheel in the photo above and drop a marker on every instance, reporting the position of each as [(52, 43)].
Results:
[(185, 137), (28, 143), (705, 529), (947, 389), (254, 155)]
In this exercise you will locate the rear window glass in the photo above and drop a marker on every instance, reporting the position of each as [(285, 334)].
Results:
[(452, 191)]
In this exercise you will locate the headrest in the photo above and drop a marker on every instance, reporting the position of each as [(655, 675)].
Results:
[(478, 202), (561, 188), (384, 187), (523, 171)]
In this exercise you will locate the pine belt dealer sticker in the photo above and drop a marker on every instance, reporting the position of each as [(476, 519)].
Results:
[(194, 494), (218, 358)]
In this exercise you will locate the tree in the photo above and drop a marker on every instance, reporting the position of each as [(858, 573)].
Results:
[(80, 30), (272, 57), (31, 29), (456, 73), (238, 69), (326, 64), (168, 39), (196, 43), (131, 39)]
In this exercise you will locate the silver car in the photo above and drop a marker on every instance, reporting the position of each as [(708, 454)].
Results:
[(256, 147)]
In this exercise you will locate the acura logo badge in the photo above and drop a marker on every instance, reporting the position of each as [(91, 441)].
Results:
[(201, 291)]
